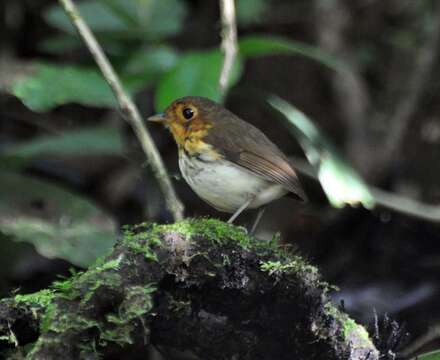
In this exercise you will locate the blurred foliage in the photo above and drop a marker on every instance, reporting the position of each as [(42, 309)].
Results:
[(134, 34), (52, 85), (124, 20), (86, 141), (254, 46), (433, 355), (340, 181), (251, 11), (137, 37), (58, 223), (197, 74)]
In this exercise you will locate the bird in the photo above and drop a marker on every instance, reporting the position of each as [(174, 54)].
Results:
[(228, 162)]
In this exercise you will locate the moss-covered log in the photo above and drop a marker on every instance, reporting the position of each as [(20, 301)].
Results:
[(198, 285)]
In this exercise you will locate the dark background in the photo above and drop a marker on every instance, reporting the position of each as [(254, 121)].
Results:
[(382, 112)]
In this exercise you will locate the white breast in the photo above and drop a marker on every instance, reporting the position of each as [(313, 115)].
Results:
[(226, 186)]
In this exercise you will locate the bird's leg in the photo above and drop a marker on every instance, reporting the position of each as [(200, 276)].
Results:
[(257, 219), (240, 209)]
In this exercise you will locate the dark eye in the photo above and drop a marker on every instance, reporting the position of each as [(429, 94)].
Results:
[(188, 113)]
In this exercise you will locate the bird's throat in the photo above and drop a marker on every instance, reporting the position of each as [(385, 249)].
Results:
[(190, 138)]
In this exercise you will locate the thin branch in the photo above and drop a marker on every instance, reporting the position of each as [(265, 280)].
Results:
[(229, 41), (128, 108)]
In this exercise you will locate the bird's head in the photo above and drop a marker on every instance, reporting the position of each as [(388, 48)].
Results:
[(189, 117)]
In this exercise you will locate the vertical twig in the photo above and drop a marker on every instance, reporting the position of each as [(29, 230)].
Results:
[(229, 41), (128, 108)]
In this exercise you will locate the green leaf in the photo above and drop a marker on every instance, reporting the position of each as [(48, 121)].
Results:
[(99, 140), (60, 44), (159, 18), (52, 85), (340, 181), (95, 13), (153, 60), (140, 19), (433, 355), (196, 74), (58, 223), (255, 45), (147, 65)]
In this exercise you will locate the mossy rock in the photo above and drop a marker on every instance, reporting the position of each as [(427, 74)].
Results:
[(199, 285)]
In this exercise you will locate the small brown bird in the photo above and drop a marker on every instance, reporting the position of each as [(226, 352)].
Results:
[(228, 162)]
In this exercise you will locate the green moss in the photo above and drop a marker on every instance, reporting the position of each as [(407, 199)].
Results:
[(42, 298), (291, 266), (102, 265), (212, 229), (49, 315), (143, 238), (142, 242), (92, 282), (122, 324), (137, 302), (349, 326)]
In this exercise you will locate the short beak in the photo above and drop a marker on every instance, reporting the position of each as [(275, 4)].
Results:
[(157, 118)]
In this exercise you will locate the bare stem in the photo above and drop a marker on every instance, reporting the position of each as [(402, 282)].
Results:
[(229, 41), (128, 108)]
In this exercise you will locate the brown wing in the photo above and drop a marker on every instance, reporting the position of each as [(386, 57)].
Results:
[(246, 146)]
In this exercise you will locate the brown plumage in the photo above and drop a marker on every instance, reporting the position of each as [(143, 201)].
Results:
[(208, 133)]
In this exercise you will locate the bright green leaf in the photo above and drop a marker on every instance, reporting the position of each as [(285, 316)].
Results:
[(434, 355), (99, 140), (255, 45), (196, 74), (52, 85), (339, 180), (58, 223)]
